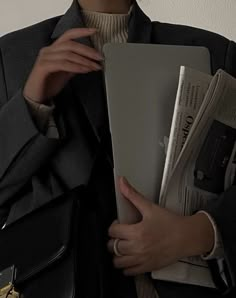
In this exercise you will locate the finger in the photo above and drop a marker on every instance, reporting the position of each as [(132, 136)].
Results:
[(110, 246), (76, 33), (125, 262), (126, 247), (121, 231), (67, 66), (123, 246), (72, 57), (134, 270), (116, 221), (77, 48), (130, 193)]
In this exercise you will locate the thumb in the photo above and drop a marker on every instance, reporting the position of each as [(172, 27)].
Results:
[(136, 198)]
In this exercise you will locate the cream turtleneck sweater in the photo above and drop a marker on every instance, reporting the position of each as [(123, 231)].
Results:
[(112, 27)]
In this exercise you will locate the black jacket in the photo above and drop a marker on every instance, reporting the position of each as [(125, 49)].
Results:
[(35, 169)]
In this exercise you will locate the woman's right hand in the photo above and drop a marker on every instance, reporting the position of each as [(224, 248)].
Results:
[(58, 63)]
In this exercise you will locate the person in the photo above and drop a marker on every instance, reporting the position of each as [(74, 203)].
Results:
[(54, 134)]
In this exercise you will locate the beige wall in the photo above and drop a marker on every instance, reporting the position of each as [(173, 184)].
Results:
[(215, 15)]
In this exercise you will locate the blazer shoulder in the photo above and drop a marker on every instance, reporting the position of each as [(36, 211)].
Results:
[(175, 34), (18, 51), (178, 32), (33, 36), (231, 58)]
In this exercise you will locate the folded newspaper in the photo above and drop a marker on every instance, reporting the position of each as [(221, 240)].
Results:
[(201, 157)]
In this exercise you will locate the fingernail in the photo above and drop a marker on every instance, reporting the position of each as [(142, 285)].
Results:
[(100, 57), (125, 181), (119, 178), (98, 67)]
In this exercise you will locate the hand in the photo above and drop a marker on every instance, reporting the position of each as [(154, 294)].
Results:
[(161, 238), (58, 63)]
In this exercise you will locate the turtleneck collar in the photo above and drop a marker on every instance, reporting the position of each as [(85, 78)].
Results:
[(112, 27), (113, 14)]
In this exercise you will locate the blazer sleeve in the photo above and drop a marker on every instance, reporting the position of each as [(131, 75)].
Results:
[(24, 149), (223, 210), (230, 60), (43, 117)]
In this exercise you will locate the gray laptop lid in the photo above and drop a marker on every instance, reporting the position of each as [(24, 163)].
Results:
[(141, 83)]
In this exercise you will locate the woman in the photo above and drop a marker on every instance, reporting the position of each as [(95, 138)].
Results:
[(55, 84)]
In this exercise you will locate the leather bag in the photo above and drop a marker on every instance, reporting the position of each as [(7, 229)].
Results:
[(51, 249)]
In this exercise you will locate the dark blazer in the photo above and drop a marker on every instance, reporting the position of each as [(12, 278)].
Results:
[(35, 169)]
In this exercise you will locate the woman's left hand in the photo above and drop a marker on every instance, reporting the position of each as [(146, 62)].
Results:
[(161, 238)]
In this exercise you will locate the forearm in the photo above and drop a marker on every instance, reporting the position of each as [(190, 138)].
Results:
[(197, 235), (217, 251), (24, 148)]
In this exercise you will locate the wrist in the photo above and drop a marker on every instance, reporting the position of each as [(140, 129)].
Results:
[(48, 103), (198, 235), (35, 94)]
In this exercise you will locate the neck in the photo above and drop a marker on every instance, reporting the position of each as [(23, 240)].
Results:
[(106, 6)]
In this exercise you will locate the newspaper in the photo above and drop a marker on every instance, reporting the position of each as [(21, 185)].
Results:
[(200, 163), (193, 86)]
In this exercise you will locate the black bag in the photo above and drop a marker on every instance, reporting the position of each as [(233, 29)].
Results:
[(46, 247)]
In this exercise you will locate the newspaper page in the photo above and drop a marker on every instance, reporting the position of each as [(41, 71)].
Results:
[(204, 168), (192, 88)]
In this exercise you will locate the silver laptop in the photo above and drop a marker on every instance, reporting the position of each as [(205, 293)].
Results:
[(141, 83)]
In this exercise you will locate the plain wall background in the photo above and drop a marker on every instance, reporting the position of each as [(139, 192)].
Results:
[(214, 15)]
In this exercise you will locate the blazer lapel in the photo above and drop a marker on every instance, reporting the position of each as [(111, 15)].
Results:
[(89, 89), (140, 26)]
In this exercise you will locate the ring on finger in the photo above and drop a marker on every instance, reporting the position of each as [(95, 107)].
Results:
[(116, 249)]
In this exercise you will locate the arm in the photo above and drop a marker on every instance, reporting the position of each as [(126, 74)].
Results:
[(217, 250), (223, 211), (24, 149)]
